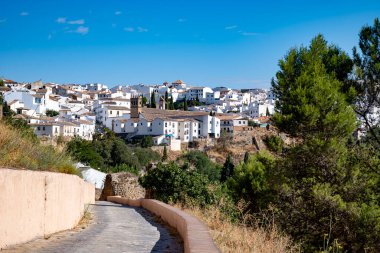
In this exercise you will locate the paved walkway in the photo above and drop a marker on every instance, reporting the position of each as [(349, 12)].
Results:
[(116, 228)]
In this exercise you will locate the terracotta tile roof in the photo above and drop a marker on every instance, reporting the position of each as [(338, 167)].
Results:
[(150, 114), (121, 108), (178, 82)]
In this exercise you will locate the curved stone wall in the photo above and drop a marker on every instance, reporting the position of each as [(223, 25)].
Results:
[(194, 233)]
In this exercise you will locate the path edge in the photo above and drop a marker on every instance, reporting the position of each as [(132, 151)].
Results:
[(193, 232)]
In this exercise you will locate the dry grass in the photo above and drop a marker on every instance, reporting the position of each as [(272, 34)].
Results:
[(18, 152), (86, 219), (231, 237)]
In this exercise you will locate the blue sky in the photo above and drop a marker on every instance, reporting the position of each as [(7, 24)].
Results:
[(210, 42)]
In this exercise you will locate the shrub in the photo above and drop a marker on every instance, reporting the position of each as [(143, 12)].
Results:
[(203, 165), (170, 183), (274, 143), (147, 142), (51, 113)]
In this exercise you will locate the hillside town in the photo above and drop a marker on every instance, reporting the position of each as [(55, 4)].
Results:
[(173, 114)]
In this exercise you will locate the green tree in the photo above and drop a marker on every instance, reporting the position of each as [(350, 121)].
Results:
[(202, 164), (147, 141), (185, 105), (1, 82), (171, 103), (165, 154), (246, 157), (320, 180), (267, 112), (274, 143), (228, 169), (170, 183), (252, 181), (144, 101), (153, 100), (367, 70), (51, 113), (166, 100), (309, 94)]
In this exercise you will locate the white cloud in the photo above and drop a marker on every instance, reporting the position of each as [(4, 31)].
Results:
[(142, 30), (24, 13), (76, 22), (118, 13), (80, 30), (249, 33), (230, 27), (129, 29), (61, 20), (138, 29), (181, 20)]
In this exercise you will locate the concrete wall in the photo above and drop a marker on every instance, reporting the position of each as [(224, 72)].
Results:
[(35, 204), (193, 232)]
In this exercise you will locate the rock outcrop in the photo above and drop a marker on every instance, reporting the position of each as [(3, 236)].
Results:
[(122, 184)]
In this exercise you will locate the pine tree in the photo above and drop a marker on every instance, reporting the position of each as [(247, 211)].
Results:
[(228, 169)]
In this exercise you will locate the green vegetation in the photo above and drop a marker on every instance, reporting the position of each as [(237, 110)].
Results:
[(165, 154), (1, 82), (253, 123), (170, 183), (152, 103), (324, 190), (228, 169), (51, 113), (202, 165), (20, 149), (147, 141), (144, 101), (274, 143), (110, 153)]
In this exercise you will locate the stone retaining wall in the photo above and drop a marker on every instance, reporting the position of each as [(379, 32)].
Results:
[(35, 204), (194, 233)]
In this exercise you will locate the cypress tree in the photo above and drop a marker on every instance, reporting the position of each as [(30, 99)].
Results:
[(165, 154), (185, 105), (153, 100), (228, 169)]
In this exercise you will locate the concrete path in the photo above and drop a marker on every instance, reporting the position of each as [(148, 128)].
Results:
[(116, 228)]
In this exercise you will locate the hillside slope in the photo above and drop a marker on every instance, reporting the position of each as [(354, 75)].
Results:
[(20, 151)]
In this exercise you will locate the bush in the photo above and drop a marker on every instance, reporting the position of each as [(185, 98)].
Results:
[(203, 165), (124, 168), (51, 113), (252, 181), (170, 183), (147, 142), (274, 143)]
